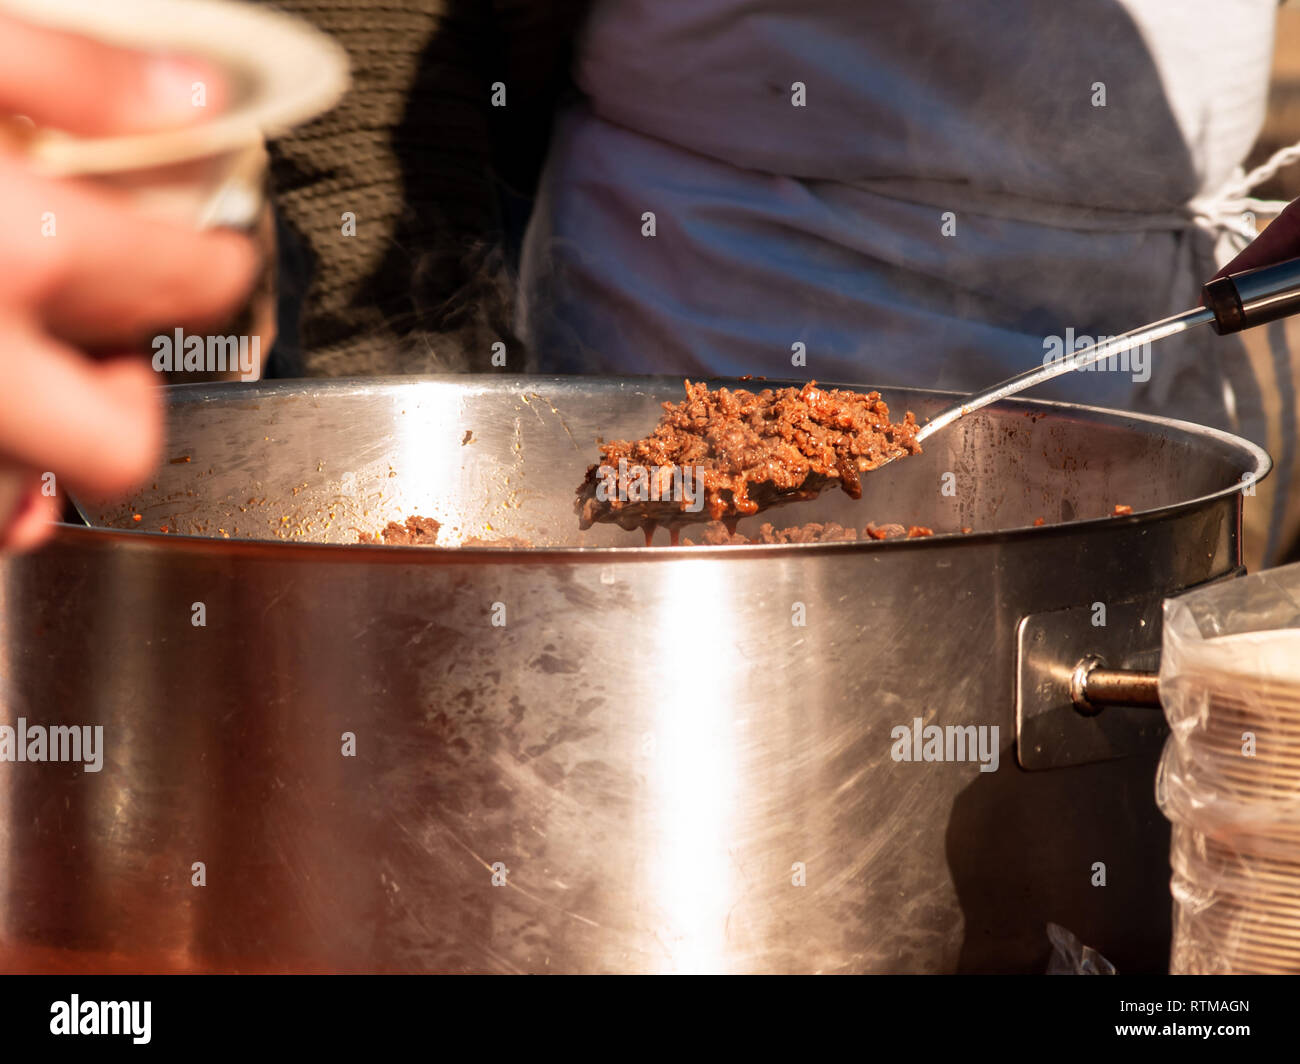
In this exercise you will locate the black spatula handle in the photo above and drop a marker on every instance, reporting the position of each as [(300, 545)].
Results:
[(1253, 297)]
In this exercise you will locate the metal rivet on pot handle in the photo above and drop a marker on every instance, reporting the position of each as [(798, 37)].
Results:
[(1253, 297)]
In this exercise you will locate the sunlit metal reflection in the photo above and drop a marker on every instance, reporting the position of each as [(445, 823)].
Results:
[(694, 774)]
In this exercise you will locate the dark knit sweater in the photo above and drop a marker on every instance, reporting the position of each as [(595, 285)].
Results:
[(437, 178)]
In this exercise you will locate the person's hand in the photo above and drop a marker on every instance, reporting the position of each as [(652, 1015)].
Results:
[(1279, 241), (103, 278)]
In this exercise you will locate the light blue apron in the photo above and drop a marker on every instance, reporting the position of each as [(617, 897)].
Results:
[(959, 185)]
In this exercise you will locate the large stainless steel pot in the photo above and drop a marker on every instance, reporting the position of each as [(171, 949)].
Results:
[(638, 767)]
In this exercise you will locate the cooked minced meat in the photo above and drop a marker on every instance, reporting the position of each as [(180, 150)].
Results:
[(423, 532), (743, 450), (416, 532), (716, 534)]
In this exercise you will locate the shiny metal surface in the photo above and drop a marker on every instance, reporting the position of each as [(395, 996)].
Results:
[(1054, 728), (654, 760)]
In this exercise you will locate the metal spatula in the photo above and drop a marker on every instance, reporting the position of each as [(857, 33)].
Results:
[(1231, 304), (1238, 301)]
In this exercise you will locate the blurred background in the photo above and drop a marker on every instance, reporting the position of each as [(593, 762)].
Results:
[(1283, 124)]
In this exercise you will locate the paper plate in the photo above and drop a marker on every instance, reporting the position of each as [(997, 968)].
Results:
[(283, 72)]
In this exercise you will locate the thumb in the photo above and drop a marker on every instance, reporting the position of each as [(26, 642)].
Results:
[(89, 88)]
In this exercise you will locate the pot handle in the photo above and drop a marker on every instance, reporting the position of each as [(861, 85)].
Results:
[(1093, 687), (1064, 680)]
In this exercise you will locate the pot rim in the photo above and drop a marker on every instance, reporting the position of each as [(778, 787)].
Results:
[(312, 388)]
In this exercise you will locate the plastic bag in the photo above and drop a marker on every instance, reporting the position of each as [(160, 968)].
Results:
[(1072, 957), (1229, 777)]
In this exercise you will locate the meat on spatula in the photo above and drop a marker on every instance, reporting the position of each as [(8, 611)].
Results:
[(726, 454)]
